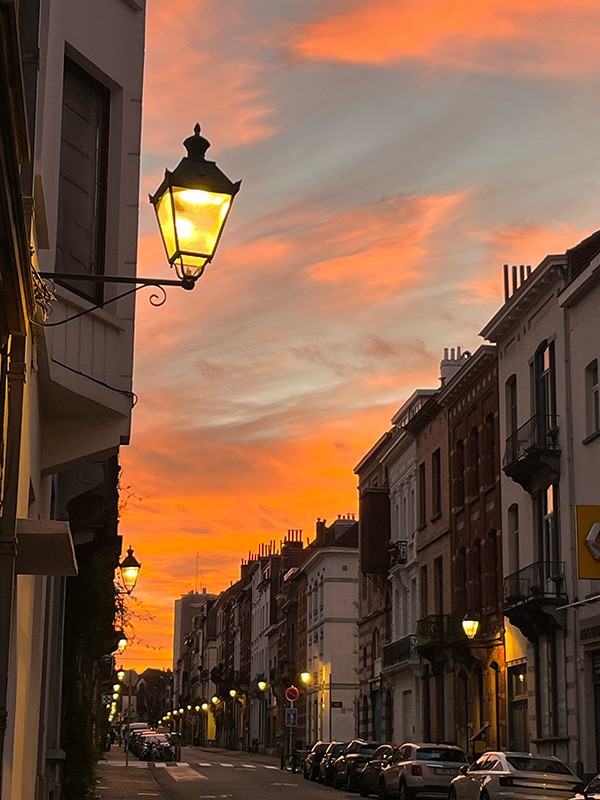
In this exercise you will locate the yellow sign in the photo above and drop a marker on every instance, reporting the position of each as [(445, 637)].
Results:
[(588, 542)]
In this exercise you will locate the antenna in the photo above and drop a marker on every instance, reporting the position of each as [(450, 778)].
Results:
[(196, 582)]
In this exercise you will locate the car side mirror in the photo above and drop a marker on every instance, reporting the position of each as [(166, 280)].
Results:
[(464, 769)]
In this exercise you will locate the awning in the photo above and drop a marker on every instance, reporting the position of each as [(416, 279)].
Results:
[(45, 547)]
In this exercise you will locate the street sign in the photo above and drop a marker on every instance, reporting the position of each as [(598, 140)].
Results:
[(291, 717), (292, 694)]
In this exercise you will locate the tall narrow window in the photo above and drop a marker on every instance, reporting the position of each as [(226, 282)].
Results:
[(513, 539), (438, 584), (436, 483), (545, 388), (460, 585), (511, 405), (474, 462), (489, 444), (591, 398), (82, 180), (422, 495), (459, 473), (424, 591), (549, 525)]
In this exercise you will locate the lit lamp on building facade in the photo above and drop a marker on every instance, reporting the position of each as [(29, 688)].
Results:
[(470, 625), (130, 569), (192, 205)]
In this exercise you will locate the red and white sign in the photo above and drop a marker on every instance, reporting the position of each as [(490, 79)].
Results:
[(292, 693)]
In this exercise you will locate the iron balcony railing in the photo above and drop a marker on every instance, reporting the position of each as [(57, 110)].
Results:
[(540, 580), (538, 434), (400, 651), (437, 629)]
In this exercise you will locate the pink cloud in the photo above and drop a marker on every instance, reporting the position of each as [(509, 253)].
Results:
[(510, 37)]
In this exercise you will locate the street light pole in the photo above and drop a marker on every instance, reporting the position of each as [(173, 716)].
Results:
[(128, 731)]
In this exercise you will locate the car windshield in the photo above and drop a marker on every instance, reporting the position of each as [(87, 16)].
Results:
[(368, 749), (441, 754), (320, 748), (337, 749), (528, 764)]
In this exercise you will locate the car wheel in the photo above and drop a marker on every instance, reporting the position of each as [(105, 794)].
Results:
[(403, 791), (484, 795), (337, 783), (352, 785), (363, 791), (382, 791), (452, 795)]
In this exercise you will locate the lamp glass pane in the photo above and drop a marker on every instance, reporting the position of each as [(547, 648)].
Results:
[(129, 576), (164, 212), (199, 215)]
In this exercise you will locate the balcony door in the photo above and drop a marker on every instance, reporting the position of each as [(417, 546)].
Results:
[(545, 389)]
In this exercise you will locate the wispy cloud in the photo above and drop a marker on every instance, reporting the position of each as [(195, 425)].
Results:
[(506, 37)]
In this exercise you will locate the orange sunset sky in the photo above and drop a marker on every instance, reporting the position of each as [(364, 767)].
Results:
[(394, 154)]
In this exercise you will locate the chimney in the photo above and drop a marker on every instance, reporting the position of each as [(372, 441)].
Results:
[(450, 366)]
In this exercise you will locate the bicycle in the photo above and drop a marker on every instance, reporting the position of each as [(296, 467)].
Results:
[(291, 763)]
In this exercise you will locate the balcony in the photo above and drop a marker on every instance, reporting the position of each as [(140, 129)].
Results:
[(532, 594), (400, 653), (436, 632), (532, 455)]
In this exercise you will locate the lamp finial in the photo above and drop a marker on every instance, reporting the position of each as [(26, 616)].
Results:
[(196, 145)]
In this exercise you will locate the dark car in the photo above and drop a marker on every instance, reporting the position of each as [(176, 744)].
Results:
[(327, 766), (349, 766), (313, 761), (369, 779)]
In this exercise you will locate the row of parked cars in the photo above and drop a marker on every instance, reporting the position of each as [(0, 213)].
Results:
[(428, 771), (148, 744)]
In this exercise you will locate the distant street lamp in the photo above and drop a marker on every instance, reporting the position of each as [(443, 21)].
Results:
[(130, 569), (305, 677), (262, 685), (470, 625)]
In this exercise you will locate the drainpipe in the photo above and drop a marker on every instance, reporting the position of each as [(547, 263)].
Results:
[(571, 641), (8, 521)]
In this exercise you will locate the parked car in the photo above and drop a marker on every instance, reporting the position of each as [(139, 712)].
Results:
[(349, 766), (313, 761), (515, 776), (421, 770), (327, 765), (591, 791), (369, 779)]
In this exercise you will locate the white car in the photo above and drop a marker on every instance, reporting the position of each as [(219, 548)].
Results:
[(421, 771), (515, 776)]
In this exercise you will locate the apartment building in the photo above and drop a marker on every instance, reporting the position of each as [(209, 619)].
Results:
[(70, 183)]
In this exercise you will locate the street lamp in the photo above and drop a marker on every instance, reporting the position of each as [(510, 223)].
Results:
[(262, 685), (470, 625), (192, 205), (130, 569), (121, 674), (305, 677)]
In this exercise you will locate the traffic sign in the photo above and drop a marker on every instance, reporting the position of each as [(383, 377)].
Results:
[(292, 693), (291, 717)]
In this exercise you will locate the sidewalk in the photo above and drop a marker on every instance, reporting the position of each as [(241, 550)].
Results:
[(115, 782)]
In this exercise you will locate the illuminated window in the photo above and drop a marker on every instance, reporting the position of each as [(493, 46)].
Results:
[(592, 398)]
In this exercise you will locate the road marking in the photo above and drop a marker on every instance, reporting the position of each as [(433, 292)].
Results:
[(268, 766), (284, 784), (249, 766), (149, 794), (204, 764), (226, 765), (186, 773)]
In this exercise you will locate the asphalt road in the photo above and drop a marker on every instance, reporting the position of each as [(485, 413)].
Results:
[(205, 775)]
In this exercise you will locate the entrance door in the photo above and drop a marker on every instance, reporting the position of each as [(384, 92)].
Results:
[(518, 735), (596, 680)]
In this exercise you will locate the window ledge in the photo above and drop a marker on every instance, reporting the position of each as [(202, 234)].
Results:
[(591, 437), (436, 517)]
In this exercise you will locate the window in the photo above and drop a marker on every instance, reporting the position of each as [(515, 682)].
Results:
[(591, 398), (545, 389), (550, 546), (459, 473), (474, 462), (82, 180), (438, 584), (476, 566), (436, 483), (423, 596), (513, 539), (511, 405), (422, 496), (489, 456)]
